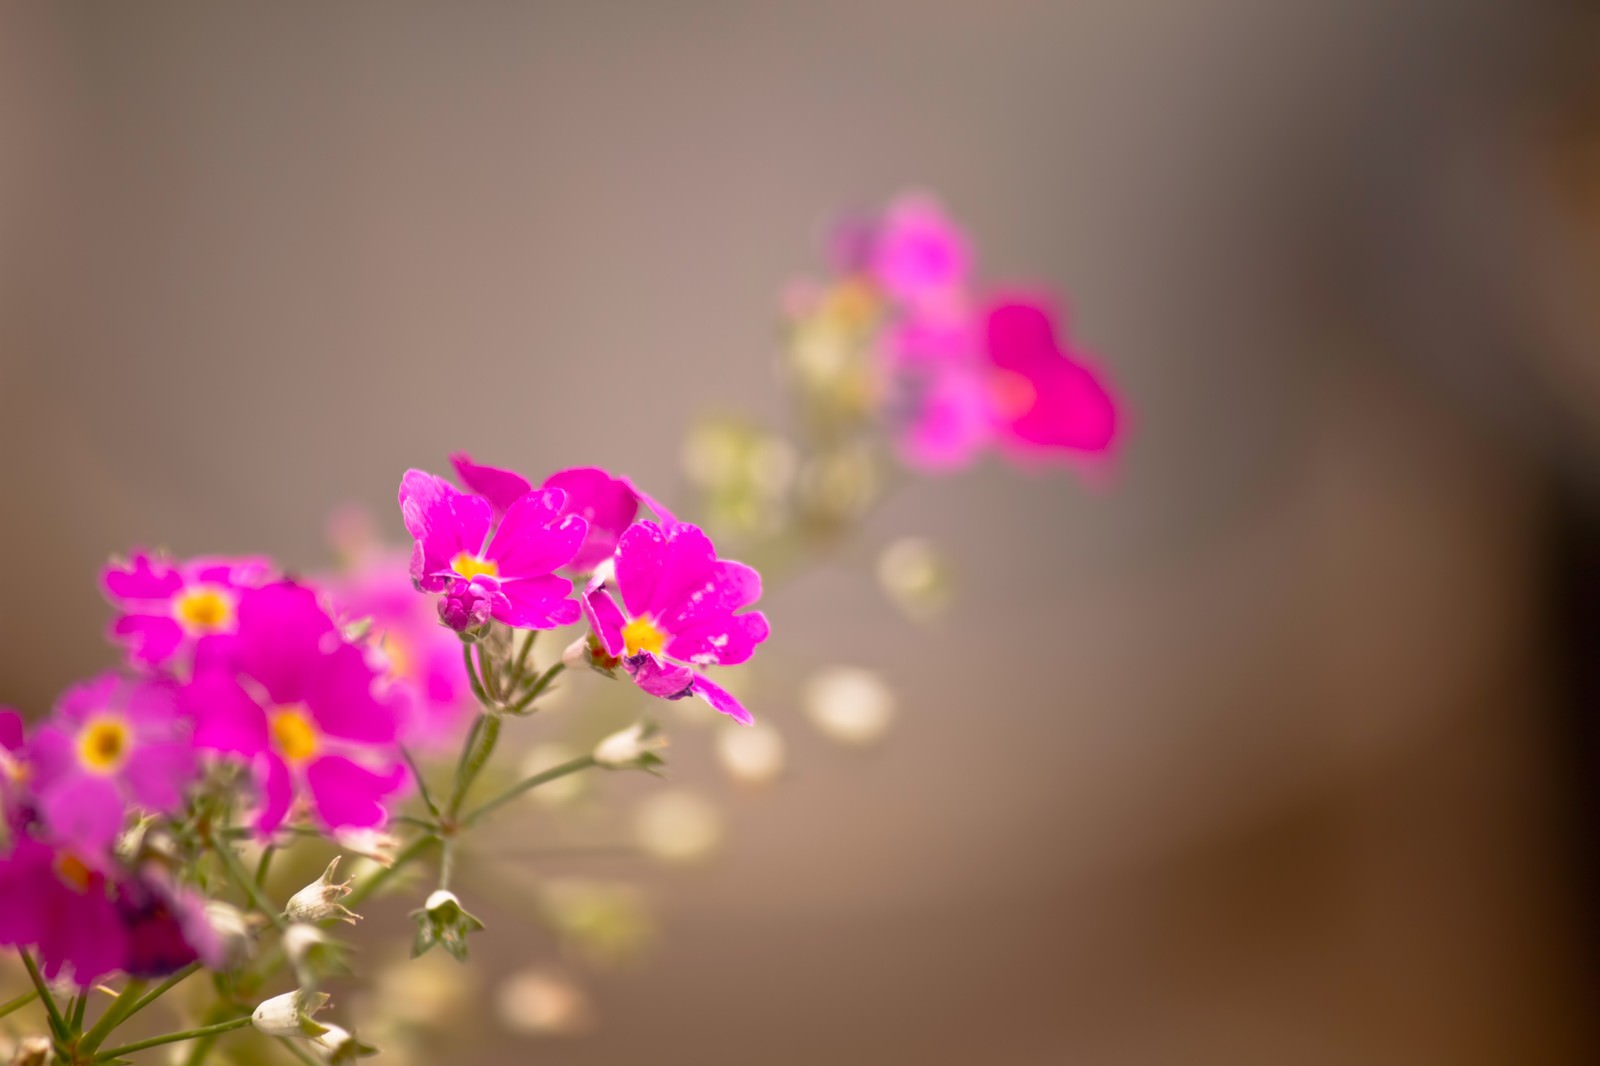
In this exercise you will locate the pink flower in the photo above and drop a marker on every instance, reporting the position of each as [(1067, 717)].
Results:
[(606, 502), (509, 575), (112, 744), (63, 908), (166, 926), (917, 253), (678, 612), (1020, 392), (301, 708), (167, 607), (420, 658)]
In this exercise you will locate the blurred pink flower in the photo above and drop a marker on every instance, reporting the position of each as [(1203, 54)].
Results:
[(302, 710), (168, 607), (63, 908)]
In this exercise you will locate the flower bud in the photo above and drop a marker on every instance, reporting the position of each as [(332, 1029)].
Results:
[(465, 609), (290, 1014), (337, 1045), (442, 920), (312, 955), (588, 651), (633, 748), (320, 899), (32, 1051)]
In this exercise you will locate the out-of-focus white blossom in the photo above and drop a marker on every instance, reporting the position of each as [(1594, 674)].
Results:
[(849, 704), (678, 826), (753, 754), (544, 1002)]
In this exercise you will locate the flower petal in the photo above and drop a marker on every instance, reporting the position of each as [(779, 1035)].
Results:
[(225, 717), (348, 794), (84, 811), (730, 586), (686, 566), (277, 793), (535, 538), (159, 774), (722, 701), (281, 633), (537, 603), (640, 553), (724, 641), (606, 619), (340, 697), (501, 488)]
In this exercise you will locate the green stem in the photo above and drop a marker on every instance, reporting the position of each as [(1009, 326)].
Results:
[(297, 1051), (543, 777), (366, 888), (247, 885), (538, 688), (265, 864), (173, 1038), (491, 680), (447, 862), (519, 669), (422, 783), (120, 1010), (14, 1005), (472, 675), (474, 756), (58, 1024), (80, 1006)]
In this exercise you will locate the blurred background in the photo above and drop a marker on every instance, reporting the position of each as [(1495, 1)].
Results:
[(1281, 749)]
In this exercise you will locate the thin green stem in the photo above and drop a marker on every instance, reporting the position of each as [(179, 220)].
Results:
[(265, 864), (58, 1024), (365, 889), (252, 891), (13, 1005), (422, 783), (79, 1007), (538, 688), (491, 679), (472, 675), (447, 862), (519, 669), (121, 1009), (474, 756), (173, 1038), (543, 777)]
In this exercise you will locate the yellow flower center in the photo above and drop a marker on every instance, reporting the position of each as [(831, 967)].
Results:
[(470, 566), (401, 662), (1014, 395), (72, 870), (641, 635), (204, 610), (103, 744), (293, 734)]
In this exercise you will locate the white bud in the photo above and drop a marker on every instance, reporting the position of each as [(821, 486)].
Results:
[(440, 898), (577, 653), (290, 1014), (320, 899), (633, 748), (234, 932), (336, 1045)]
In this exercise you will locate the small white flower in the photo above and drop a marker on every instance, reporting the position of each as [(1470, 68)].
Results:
[(290, 1014), (337, 1045), (443, 920), (633, 748), (320, 899)]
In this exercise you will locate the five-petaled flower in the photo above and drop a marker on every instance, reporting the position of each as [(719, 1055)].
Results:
[(505, 571), (113, 743), (678, 613), (167, 608), (300, 706)]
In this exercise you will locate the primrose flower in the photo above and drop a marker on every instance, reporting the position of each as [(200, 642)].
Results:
[(166, 607), (677, 613), (1020, 391), (916, 251), (63, 908), (504, 572), (301, 708), (111, 744), (607, 503)]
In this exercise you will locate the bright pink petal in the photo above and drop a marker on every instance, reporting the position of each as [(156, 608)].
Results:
[(726, 641), (52, 754), (640, 553), (536, 538), (158, 775), (667, 681), (918, 250), (445, 523), (722, 701), (348, 794), (281, 635), (687, 566), (11, 729), (151, 639), (537, 603), (663, 516), (83, 811), (952, 419), (501, 488), (607, 503), (141, 578), (730, 586), (606, 619), (225, 717), (277, 793), (341, 699)]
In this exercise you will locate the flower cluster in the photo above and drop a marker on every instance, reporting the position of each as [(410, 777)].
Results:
[(899, 331)]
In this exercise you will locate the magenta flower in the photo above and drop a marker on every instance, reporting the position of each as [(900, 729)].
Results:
[(1020, 392), (509, 575), (166, 926), (112, 744), (63, 908), (166, 607), (301, 708), (420, 659), (678, 613), (917, 253), (607, 503)]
